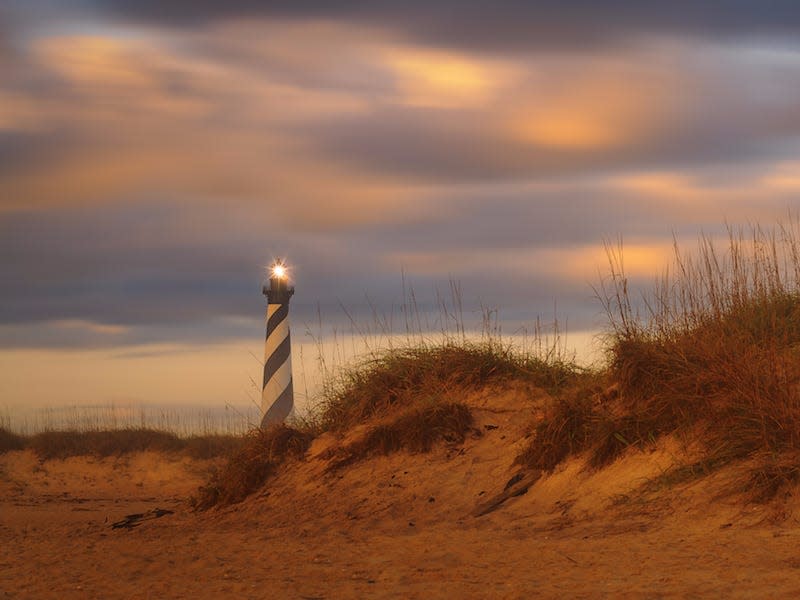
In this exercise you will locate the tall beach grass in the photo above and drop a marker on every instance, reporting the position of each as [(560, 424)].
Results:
[(713, 354)]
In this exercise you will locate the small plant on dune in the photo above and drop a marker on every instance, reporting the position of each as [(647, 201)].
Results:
[(409, 393), (261, 453), (212, 445), (720, 347), (774, 475)]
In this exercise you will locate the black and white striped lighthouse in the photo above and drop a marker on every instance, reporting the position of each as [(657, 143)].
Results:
[(277, 394)]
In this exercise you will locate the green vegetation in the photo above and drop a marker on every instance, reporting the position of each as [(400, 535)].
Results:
[(712, 354)]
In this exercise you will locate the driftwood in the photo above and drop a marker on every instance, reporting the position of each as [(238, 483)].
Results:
[(516, 486), (134, 520)]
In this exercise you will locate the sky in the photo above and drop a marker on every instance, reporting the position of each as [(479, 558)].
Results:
[(156, 156)]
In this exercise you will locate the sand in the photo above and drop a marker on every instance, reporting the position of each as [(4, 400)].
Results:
[(400, 526)]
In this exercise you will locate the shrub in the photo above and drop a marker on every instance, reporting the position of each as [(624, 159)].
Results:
[(720, 347), (565, 430)]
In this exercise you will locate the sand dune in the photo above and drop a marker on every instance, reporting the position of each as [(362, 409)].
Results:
[(396, 526)]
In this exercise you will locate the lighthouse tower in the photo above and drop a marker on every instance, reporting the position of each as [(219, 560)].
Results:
[(277, 393)]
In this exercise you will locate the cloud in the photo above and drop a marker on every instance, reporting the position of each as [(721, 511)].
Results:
[(149, 174), (93, 328), (129, 118), (668, 105), (152, 267), (218, 116), (505, 24)]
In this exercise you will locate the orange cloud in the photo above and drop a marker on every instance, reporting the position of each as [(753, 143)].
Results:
[(580, 263), (683, 194), (148, 118), (19, 112), (441, 79), (784, 177), (592, 104)]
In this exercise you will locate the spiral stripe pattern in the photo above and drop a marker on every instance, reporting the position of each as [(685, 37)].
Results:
[(277, 393)]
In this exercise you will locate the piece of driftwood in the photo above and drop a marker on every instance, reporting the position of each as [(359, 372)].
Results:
[(516, 486), (134, 520)]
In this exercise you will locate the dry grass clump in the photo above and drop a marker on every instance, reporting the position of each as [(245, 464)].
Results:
[(415, 430), (739, 374), (64, 444), (10, 441), (566, 429), (261, 453), (399, 376), (720, 348), (717, 352)]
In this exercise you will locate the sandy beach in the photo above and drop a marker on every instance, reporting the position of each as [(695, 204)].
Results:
[(395, 526)]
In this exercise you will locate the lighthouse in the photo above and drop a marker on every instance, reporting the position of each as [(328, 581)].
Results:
[(277, 393)]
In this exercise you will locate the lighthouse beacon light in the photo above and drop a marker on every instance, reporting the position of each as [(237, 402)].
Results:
[(279, 270)]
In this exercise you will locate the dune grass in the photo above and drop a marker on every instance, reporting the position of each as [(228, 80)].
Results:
[(716, 355), (398, 377), (566, 429), (49, 445)]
